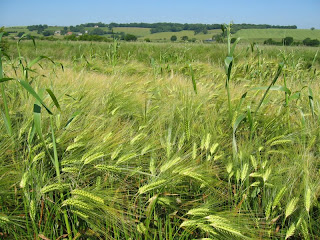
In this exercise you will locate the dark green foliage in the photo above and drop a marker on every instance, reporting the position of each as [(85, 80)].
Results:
[(287, 41), (72, 37), (48, 38), (99, 24), (130, 37), (184, 38), (76, 28), (64, 31), (173, 38), (269, 41), (97, 31), (20, 34), (311, 42), (48, 33), (39, 28)]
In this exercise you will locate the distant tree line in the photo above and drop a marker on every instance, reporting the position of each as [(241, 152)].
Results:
[(177, 27), (97, 38), (289, 41), (154, 27), (39, 28), (197, 28), (237, 27), (311, 42), (99, 24)]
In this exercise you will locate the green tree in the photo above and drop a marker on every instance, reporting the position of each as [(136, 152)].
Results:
[(47, 33), (130, 37), (218, 38), (63, 31), (77, 29), (269, 41), (97, 31), (287, 41), (39, 28), (173, 38), (185, 38), (72, 37), (311, 42)]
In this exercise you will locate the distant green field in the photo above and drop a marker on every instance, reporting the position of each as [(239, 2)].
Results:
[(139, 32), (143, 33), (277, 34), (13, 31), (189, 33)]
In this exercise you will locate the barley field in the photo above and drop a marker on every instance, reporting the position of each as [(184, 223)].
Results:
[(159, 141)]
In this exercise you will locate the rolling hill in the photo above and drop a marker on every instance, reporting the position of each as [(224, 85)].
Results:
[(277, 34), (247, 35)]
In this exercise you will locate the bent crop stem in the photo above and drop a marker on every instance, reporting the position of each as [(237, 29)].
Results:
[(228, 64), (57, 168), (280, 67)]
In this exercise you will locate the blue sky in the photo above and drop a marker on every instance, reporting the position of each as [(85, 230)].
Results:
[(304, 14)]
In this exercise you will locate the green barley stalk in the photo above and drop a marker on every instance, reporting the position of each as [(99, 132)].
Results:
[(57, 168), (228, 64), (193, 79), (280, 67)]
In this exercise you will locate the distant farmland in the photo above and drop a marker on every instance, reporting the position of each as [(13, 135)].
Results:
[(143, 33), (139, 32), (246, 35), (277, 34)]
